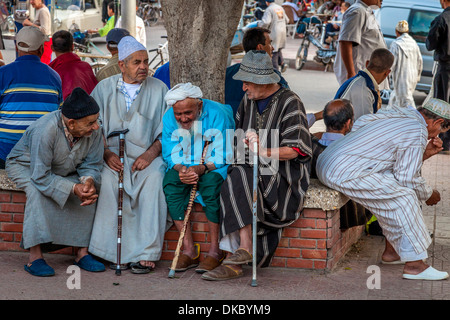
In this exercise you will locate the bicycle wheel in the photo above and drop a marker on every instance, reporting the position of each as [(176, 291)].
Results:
[(302, 55)]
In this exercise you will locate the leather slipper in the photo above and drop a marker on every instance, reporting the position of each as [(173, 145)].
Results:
[(429, 273), (240, 256), (209, 263), (185, 262), (221, 273)]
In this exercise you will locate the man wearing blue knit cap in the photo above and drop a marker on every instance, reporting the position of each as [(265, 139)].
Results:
[(132, 100)]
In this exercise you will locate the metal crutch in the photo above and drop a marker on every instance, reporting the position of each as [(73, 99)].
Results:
[(255, 200)]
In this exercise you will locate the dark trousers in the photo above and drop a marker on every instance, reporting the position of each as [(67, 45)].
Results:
[(442, 91), (277, 59)]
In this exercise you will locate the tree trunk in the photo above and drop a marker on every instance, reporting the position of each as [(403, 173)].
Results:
[(200, 34)]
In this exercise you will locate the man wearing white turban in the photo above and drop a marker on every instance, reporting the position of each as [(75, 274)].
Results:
[(187, 125), (132, 100)]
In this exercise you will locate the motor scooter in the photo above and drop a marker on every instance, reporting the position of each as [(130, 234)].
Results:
[(324, 55)]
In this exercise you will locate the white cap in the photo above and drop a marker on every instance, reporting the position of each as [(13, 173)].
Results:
[(129, 45)]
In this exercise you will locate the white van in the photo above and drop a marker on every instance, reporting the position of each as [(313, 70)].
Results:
[(419, 14)]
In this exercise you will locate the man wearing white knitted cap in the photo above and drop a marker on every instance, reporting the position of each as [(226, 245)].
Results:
[(132, 100), (407, 67)]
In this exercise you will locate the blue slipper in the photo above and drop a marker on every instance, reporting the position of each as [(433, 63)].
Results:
[(39, 268), (88, 263)]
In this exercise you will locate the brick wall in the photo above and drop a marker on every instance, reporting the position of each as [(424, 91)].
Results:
[(12, 205), (314, 241)]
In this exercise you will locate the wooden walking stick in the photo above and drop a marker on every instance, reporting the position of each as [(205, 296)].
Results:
[(255, 204), (186, 218), (121, 135)]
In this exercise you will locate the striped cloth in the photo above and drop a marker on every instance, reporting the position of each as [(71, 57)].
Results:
[(378, 165), (29, 89), (281, 191)]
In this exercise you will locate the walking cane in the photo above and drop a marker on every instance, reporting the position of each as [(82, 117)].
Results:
[(121, 135), (255, 202), (186, 218)]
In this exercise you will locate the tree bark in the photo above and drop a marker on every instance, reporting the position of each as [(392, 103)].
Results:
[(199, 35)]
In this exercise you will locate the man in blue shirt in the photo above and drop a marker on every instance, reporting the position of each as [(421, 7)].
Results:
[(190, 122), (29, 89)]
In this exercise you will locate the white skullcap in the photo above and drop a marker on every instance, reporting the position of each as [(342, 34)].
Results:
[(129, 45), (439, 107), (182, 91), (402, 26)]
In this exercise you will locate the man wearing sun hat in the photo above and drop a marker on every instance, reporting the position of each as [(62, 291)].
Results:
[(407, 67), (28, 89), (57, 162), (378, 165), (275, 118), (132, 100)]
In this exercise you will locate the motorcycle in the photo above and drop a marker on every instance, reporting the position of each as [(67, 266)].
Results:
[(324, 55)]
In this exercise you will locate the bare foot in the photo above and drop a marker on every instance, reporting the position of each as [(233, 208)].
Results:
[(145, 263), (415, 267)]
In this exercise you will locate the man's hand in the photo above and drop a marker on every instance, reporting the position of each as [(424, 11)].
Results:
[(142, 162), (112, 160), (434, 199), (86, 192), (190, 175), (434, 146)]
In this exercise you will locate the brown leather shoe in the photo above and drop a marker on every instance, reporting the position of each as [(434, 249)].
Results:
[(185, 262), (240, 256), (221, 273), (209, 264)]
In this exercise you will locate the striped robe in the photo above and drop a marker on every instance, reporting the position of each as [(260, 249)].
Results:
[(378, 165), (281, 191)]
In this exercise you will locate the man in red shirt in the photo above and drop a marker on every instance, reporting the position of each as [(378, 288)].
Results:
[(73, 72)]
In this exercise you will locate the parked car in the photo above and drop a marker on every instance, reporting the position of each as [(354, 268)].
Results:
[(419, 14)]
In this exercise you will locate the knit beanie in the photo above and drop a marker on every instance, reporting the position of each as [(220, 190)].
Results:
[(79, 105)]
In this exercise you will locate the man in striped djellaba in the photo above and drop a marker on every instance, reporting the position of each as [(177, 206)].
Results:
[(378, 165), (274, 117)]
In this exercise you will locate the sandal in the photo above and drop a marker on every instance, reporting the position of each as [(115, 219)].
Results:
[(138, 268), (222, 272)]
